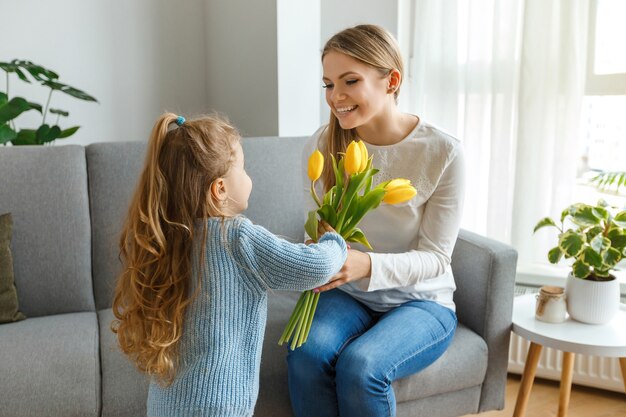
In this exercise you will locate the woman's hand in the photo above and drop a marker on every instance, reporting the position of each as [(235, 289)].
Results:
[(358, 265)]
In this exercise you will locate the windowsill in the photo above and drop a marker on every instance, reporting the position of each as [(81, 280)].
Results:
[(546, 274)]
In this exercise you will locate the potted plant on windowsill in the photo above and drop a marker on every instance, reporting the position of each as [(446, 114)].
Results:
[(596, 242)]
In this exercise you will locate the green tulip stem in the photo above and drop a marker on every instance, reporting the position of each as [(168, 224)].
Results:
[(301, 314), (314, 194), (297, 338), (316, 297), (292, 320)]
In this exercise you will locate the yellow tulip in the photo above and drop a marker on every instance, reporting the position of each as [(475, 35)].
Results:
[(364, 156), (398, 191), (316, 165), (352, 159)]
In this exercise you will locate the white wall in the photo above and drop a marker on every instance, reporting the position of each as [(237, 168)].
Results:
[(242, 63), (256, 61), (299, 68), (138, 58), (338, 15)]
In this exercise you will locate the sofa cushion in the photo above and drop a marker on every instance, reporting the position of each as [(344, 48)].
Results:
[(450, 373), (114, 169), (50, 366), (124, 388), (51, 247), (8, 293)]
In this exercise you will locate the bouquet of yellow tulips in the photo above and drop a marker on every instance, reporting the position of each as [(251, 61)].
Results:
[(342, 207)]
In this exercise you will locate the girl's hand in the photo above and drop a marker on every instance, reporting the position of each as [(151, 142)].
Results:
[(322, 227), (358, 265)]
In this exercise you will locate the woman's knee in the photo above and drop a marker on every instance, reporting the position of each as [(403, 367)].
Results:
[(357, 369)]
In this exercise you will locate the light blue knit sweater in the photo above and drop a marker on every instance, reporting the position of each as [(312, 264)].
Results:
[(220, 351)]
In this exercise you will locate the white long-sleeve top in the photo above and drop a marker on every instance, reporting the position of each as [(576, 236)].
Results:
[(412, 241)]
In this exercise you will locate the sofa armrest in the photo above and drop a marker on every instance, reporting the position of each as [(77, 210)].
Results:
[(484, 272)]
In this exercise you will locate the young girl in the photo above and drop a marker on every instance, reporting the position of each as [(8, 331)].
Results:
[(387, 314), (191, 302)]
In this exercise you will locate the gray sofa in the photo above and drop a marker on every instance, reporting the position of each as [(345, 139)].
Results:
[(68, 203)]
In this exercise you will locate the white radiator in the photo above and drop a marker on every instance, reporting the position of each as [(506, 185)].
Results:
[(591, 371)]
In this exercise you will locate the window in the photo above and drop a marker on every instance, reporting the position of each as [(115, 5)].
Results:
[(603, 117)]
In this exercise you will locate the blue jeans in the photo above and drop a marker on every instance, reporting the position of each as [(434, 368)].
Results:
[(353, 354)]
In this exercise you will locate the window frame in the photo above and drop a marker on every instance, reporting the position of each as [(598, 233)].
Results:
[(600, 84)]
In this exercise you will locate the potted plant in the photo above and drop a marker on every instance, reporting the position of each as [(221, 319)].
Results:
[(596, 242), (12, 107)]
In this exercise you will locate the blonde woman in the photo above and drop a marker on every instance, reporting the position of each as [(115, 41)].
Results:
[(191, 302), (388, 313)]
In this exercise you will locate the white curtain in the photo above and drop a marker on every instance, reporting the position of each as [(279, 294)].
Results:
[(507, 78)]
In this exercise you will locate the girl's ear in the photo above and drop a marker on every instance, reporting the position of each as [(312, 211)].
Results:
[(394, 78), (218, 190)]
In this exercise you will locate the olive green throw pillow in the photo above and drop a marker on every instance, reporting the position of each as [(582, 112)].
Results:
[(8, 292)]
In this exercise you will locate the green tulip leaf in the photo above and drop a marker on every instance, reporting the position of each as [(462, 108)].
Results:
[(358, 236), (571, 243), (369, 201), (338, 175), (3, 98), (327, 213), (546, 221), (328, 197), (337, 197), (555, 255), (580, 270), (7, 134), (311, 225)]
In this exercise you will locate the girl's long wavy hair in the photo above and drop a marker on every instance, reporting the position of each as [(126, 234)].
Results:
[(374, 46), (158, 238)]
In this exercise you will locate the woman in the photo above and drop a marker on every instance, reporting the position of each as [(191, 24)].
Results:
[(388, 313)]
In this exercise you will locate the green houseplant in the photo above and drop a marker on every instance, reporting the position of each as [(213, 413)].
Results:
[(12, 107), (610, 180), (595, 240)]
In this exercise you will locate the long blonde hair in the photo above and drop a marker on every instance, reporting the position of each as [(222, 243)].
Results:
[(373, 46), (158, 237)]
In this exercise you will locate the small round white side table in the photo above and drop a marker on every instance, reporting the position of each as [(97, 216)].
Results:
[(571, 337)]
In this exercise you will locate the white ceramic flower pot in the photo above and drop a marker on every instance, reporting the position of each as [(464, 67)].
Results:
[(592, 302)]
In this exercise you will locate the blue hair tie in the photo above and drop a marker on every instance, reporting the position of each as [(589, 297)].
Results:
[(180, 120)]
